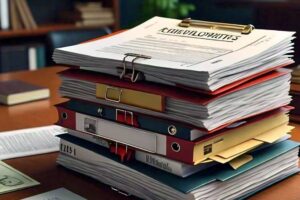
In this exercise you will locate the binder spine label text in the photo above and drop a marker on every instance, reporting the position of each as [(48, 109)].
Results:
[(199, 34), (160, 164), (67, 149)]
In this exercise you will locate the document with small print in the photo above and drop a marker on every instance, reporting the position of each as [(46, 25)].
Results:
[(195, 56), (27, 142)]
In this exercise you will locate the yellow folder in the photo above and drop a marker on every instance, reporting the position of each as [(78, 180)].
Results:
[(130, 97), (237, 157), (230, 145)]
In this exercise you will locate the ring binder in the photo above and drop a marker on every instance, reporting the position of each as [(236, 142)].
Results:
[(175, 147), (244, 29), (64, 115), (133, 77), (172, 130)]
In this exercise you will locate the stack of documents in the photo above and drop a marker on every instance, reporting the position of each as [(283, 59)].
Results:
[(184, 109), (194, 57), (295, 92)]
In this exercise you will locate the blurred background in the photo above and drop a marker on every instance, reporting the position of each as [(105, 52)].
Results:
[(31, 29)]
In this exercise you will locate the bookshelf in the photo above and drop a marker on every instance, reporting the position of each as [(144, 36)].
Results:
[(46, 15), (40, 31)]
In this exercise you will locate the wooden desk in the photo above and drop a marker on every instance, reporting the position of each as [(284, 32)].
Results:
[(51, 176)]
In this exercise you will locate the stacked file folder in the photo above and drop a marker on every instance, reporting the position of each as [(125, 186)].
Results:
[(173, 110)]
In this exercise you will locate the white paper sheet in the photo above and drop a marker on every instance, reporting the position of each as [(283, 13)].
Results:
[(26, 142), (171, 46)]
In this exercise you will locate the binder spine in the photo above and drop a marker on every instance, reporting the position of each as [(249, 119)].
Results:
[(163, 163), (171, 147), (66, 118), (145, 122)]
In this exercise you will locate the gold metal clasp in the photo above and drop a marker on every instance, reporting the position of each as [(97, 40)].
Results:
[(244, 29)]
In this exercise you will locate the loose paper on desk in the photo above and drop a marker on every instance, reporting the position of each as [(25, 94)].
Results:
[(12, 180), (32, 141), (58, 194)]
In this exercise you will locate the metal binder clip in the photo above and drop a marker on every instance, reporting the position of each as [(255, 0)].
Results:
[(134, 76), (120, 191), (125, 115), (244, 29), (124, 66), (108, 88)]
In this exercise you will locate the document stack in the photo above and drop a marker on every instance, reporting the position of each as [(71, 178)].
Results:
[(295, 92), (180, 110)]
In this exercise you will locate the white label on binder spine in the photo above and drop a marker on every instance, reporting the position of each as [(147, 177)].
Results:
[(138, 138)]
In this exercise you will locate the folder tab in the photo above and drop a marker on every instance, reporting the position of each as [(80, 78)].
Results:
[(240, 161), (273, 135), (132, 97), (236, 150)]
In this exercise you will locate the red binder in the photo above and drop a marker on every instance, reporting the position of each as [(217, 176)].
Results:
[(174, 148), (165, 90)]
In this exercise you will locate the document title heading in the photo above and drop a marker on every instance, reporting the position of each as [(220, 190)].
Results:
[(199, 34)]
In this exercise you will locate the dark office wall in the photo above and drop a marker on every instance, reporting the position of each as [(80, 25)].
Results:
[(130, 11), (47, 11), (206, 10), (214, 11)]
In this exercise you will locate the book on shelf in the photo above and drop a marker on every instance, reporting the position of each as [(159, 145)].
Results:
[(4, 14), (15, 15), (88, 6), (95, 22), (89, 14), (71, 16), (25, 15), (22, 57)]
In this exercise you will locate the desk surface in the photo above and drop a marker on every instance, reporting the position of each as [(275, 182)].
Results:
[(51, 176)]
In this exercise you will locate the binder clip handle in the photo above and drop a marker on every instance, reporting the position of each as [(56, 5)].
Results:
[(243, 29), (134, 75)]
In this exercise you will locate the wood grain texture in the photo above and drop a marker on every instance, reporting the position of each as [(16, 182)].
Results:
[(44, 169), (35, 113)]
